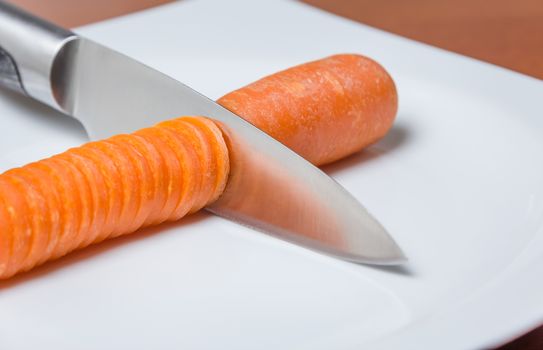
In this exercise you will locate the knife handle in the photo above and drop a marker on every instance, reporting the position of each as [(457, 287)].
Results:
[(29, 47)]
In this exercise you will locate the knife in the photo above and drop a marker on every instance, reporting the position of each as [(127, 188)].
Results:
[(270, 188)]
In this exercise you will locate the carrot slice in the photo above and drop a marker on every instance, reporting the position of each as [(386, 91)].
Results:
[(7, 226), (188, 177), (133, 183), (111, 193), (44, 179), (159, 183), (42, 221), (81, 217), (85, 176), (149, 193), (15, 200), (197, 166), (169, 171), (53, 192), (117, 172), (219, 152)]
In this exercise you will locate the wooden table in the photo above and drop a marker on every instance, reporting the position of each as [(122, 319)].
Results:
[(503, 32)]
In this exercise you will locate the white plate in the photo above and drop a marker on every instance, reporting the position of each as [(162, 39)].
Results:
[(458, 181)]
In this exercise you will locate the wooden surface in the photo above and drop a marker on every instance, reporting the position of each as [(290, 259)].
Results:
[(503, 32), (74, 13)]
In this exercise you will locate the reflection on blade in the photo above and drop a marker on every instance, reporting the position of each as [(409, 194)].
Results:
[(308, 209), (274, 200), (270, 187)]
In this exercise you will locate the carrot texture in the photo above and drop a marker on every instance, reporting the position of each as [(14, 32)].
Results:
[(324, 110), (108, 188)]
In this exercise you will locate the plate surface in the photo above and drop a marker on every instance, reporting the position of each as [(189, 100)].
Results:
[(458, 182)]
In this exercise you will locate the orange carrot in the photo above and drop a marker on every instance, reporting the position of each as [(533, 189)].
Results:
[(323, 110), (107, 188)]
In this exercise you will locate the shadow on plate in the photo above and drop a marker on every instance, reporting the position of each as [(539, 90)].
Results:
[(77, 256), (397, 137)]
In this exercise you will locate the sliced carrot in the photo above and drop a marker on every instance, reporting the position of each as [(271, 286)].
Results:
[(36, 197), (16, 200), (190, 156), (80, 217), (45, 179), (56, 201), (148, 179), (220, 161), (117, 175), (130, 169), (105, 189), (7, 226), (108, 171), (189, 181), (170, 171), (160, 180), (87, 176), (198, 163)]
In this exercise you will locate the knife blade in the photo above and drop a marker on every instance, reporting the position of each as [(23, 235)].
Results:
[(270, 188)]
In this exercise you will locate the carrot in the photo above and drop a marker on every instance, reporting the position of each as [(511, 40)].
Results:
[(108, 188), (323, 110)]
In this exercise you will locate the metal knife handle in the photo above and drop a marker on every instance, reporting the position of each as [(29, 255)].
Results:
[(28, 48)]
